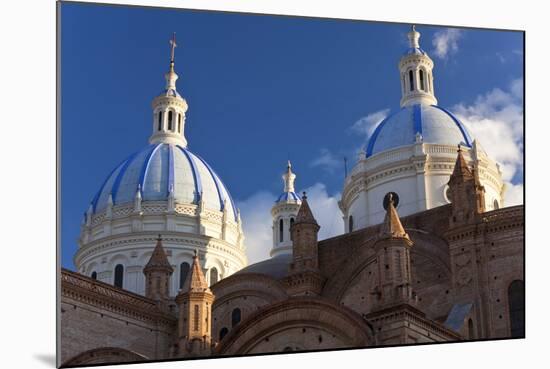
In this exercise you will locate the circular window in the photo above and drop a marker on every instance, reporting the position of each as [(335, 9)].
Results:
[(395, 198)]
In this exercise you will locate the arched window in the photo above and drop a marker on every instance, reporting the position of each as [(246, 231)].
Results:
[(289, 228), (411, 80), (179, 123), (94, 275), (160, 121), (471, 334), (288, 349), (495, 204), (213, 276), (170, 120), (421, 79), (119, 275), (350, 223), (223, 332), (281, 235), (235, 317), (516, 305), (196, 318), (184, 269)]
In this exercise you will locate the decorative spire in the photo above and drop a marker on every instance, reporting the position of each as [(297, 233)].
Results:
[(109, 210), (305, 215), (392, 227), (158, 260), (137, 200), (288, 178), (461, 169), (195, 281)]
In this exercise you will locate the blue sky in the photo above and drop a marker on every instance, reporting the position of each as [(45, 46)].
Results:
[(262, 89)]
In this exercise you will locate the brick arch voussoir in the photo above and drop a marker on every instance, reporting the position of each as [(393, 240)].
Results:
[(104, 355)]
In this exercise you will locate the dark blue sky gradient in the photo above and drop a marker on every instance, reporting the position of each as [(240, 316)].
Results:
[(260, 89)]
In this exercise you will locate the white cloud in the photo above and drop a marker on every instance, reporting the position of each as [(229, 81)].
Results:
[(367, 124), (445, 42), (496, 121), (326, 160), (257, 221), (325, 210), (513, 195), (256, 218)]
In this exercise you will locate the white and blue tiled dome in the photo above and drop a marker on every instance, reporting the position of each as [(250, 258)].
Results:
[(434, 124), (158, 169), (288, 197)]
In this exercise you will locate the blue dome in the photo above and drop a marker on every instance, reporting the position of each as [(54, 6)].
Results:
[(435, 124), (158, 168), (415, 51), (288, 196)]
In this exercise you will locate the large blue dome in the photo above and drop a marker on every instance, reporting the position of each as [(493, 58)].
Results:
[(435, 124), (158, 168)]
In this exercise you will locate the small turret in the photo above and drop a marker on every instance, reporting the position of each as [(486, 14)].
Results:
[(466, 193), (157, 274), (392, 249), (304, 276), (195, 311)]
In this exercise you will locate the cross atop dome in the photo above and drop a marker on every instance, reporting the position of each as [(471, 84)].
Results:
[(173, 46)]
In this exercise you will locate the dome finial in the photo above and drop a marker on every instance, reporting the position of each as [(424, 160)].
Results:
[(171, 76), (414, 36), (288, 178)]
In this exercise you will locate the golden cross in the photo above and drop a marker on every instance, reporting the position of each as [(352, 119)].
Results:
[(173, 45)]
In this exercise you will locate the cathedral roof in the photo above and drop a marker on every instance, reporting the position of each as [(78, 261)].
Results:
[(430, 123), (275, 267), (158, 169), (158, 259), (195, 281)]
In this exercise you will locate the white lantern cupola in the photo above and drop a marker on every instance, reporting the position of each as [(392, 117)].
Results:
[(416, 69), (169, 109), (284, 212)]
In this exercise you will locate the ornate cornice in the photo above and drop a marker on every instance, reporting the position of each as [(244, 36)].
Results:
[(189, 240), (77, 287)]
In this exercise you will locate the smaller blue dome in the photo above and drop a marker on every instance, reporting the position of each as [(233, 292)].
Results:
[(288, 196), (415, 51), (435, 124)]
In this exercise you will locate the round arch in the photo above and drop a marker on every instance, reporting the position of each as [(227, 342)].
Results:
[(105, 355), (339, 326), (426, 245)]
